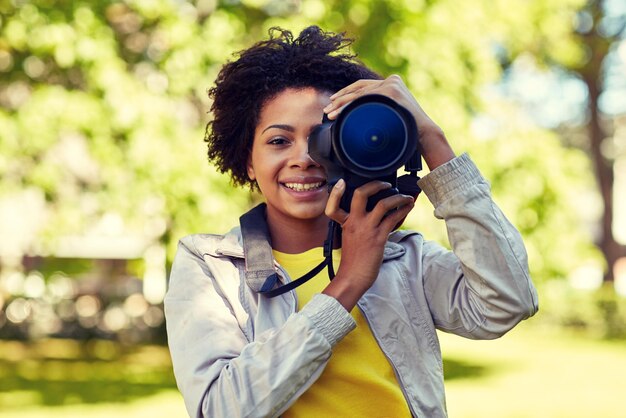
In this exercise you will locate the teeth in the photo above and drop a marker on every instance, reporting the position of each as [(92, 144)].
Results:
[(300, 187)]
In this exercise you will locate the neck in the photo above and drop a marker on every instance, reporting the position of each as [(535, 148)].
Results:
[(294, 236)]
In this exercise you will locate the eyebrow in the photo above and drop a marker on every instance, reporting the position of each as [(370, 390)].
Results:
[(288, 128)]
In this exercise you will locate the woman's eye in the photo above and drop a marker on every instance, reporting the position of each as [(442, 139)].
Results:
[(278, 141)]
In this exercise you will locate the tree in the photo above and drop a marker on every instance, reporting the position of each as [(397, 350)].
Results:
[(599, 31), (103, 106), (102, 119), (587, 60)]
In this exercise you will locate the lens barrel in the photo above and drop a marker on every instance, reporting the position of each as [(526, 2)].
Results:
[(374, 136), (371, 139)]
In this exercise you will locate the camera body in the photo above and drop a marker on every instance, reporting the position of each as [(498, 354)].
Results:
[(372, 137)]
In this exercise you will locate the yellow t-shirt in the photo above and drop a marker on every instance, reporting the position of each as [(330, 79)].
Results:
[(358, 380)]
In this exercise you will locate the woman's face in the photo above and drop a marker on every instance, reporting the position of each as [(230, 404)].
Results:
[(293, 184)]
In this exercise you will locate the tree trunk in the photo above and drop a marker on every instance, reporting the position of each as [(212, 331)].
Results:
[(604, 175), (591, 74)]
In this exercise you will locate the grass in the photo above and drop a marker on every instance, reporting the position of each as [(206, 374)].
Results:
[(66, 378), (535, 373), (527, 373)]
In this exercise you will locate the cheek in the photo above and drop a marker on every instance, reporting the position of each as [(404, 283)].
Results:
[(264, 166)]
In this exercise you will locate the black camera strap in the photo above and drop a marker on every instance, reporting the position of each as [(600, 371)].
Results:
[(260, 273), (295, 283), (327, 262)]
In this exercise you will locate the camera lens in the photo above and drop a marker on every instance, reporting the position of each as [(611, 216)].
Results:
[(373, 137)]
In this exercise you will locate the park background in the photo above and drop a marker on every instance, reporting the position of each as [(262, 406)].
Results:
[(103, 168)]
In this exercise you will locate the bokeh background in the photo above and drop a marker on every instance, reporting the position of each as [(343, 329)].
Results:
[(103, 168)]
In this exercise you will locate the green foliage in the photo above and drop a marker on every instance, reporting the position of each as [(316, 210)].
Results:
[(540, 186), (59, 372), (104, 106), (102, 110), (599, 314)]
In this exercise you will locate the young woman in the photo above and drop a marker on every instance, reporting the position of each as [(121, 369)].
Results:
[(363, 344)]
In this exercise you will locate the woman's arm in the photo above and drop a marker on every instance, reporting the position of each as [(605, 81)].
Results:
[(222, 374), (482, 288)]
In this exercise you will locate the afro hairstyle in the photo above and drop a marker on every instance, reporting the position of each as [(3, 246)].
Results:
[(314, 59)]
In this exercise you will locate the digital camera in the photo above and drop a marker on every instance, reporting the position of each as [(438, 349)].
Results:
[(372, 137)]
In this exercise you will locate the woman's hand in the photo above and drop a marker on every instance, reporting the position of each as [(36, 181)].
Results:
[(364, 235), (434, 145)]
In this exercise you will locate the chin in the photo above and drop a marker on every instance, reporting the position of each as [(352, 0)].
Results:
[(309, 213)]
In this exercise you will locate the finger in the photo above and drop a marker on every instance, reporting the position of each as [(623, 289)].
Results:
[(343, 97), (395, 218), (333, 211), (332, 114), (357, 85), (361, 194), (335, 107), (391, 203)]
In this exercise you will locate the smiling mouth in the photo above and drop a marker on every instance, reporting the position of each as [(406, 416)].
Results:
[(304, 187)]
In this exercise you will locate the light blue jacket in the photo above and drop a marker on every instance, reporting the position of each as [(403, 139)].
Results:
[(237, 353)]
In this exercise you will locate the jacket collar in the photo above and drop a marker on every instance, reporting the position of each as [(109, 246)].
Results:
[(260, 271)]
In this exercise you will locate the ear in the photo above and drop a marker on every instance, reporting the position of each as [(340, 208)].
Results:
[(250, 168)]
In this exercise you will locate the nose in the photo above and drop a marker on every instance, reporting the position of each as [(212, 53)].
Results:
[(300, 155)]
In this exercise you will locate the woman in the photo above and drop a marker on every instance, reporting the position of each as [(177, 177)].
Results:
[(309, 352)]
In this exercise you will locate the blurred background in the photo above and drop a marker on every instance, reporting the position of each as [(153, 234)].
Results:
[(103, 168)]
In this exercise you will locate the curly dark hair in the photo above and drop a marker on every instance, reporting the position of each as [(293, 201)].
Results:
[(314, 59)]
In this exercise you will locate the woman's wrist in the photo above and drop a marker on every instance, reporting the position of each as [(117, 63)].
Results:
[(435, 147), (346, 292)]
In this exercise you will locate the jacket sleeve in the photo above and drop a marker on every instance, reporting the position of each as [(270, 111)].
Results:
[(219, 372), (482, 288)]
